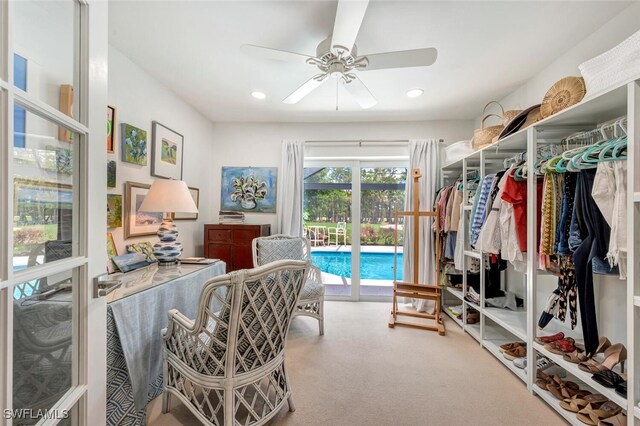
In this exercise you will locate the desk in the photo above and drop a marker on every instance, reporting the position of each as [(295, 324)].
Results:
[(136, 314)]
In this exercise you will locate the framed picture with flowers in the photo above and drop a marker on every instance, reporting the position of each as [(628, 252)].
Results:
[(134, 145)]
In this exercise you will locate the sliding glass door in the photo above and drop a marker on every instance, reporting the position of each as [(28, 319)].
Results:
[(349, 208), (382, 191)]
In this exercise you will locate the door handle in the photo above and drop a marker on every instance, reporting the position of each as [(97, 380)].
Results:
[(102, 285)]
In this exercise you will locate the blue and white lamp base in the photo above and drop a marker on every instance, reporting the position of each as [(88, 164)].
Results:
[(168, 249)]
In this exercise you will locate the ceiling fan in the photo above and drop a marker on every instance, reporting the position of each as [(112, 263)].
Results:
[(337, 56)]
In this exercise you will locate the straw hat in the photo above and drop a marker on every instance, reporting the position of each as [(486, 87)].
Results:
[(523, 119), (563, 94)]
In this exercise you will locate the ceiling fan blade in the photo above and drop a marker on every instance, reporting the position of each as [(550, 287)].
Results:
[(349, 16), (309, 86), (359, 92), (401, 59), (274, 54)]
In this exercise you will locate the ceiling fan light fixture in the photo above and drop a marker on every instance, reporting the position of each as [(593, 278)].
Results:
[(414, 93), (258, 95)]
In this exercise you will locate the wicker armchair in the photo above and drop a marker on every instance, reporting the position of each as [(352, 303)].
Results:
[(228, 365), (278, 247)]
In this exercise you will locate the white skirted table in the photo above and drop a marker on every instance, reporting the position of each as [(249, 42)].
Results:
[(136, 314)]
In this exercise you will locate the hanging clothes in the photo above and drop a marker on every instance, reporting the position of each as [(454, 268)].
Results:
[(480, 211)]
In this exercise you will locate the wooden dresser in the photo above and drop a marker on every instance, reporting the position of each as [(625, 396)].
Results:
[(232, 243)]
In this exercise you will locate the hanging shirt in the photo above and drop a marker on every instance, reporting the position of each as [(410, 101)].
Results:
[(481, 208)]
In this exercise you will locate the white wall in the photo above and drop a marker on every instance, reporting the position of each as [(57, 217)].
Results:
[(139, 100), (259, 144), (601, 40)]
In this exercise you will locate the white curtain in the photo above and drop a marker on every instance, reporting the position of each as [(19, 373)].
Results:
[(424, 154), (291, 188)]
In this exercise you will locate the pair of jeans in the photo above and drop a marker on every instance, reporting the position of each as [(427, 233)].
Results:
[(594, 234)]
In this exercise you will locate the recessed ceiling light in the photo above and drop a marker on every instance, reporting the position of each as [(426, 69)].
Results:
[(414, 93), (258, 95)]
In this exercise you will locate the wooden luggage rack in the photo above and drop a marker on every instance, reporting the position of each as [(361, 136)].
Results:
[(416, 290)]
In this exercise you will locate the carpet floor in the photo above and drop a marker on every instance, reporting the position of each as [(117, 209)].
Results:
[(363, 373)]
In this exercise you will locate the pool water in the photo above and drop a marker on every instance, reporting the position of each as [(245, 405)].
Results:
[(373, 266)]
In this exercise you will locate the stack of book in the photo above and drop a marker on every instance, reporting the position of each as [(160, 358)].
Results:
[(227, 217)]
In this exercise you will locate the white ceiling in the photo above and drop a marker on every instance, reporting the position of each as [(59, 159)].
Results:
[(486, 49)]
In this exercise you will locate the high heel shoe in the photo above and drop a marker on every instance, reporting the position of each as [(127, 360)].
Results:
[(603, 345), (614, 355)]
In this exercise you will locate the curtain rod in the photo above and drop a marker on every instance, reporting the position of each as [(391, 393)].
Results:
[(361, 141)]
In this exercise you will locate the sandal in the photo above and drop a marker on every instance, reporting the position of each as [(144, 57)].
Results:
[(577, 402), (575, 357), (543, 380), (518, 352), (561, 346), (592, 416), (615, 354), (509, 346), (608, 378), (543, 340), (561, 389), (618, 420)]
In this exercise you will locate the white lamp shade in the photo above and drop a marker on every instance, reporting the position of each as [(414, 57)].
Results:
[(169, 196)]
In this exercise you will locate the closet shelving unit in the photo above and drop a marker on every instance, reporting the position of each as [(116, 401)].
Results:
[(498, 326)]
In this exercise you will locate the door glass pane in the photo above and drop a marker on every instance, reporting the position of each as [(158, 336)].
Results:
[(327, 225), (42, 343), (43, 194), (382, 192), (44, 40)]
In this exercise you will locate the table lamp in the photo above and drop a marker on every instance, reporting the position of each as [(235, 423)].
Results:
[(168, 196)]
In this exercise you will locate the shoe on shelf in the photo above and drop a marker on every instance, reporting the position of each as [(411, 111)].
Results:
[(603, 345), (543, 340), (614, 355), (621, 389), (518, 352), (577, 402), (541, 364), (563, 389), (561, 346), (618, 420), (512, 345), (520, 362), (576, 357), (592, 416)]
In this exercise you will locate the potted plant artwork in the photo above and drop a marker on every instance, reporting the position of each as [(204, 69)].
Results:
[(247, 191)]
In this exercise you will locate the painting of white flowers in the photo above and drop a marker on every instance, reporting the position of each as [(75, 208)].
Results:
[(249, 189), (134, 145)]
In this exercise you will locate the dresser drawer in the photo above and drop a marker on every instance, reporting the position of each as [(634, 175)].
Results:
[(243, 236), (219, 235)]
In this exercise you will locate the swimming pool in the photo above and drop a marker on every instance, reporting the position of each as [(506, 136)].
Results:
[(373, 266)]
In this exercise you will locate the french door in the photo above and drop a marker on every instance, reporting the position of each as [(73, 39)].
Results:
[(53, 86), (349, 219)]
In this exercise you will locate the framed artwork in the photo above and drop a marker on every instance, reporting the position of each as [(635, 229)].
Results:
[(111, 125), (111, 252), (114, 210), (138, 223), (166, 154), (195, 194), (134, 145), (111, 174), (249, 189)]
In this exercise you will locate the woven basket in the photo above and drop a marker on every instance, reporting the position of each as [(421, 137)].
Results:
[(612, 68), (563, 94), (484, 135), (508, 116)]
